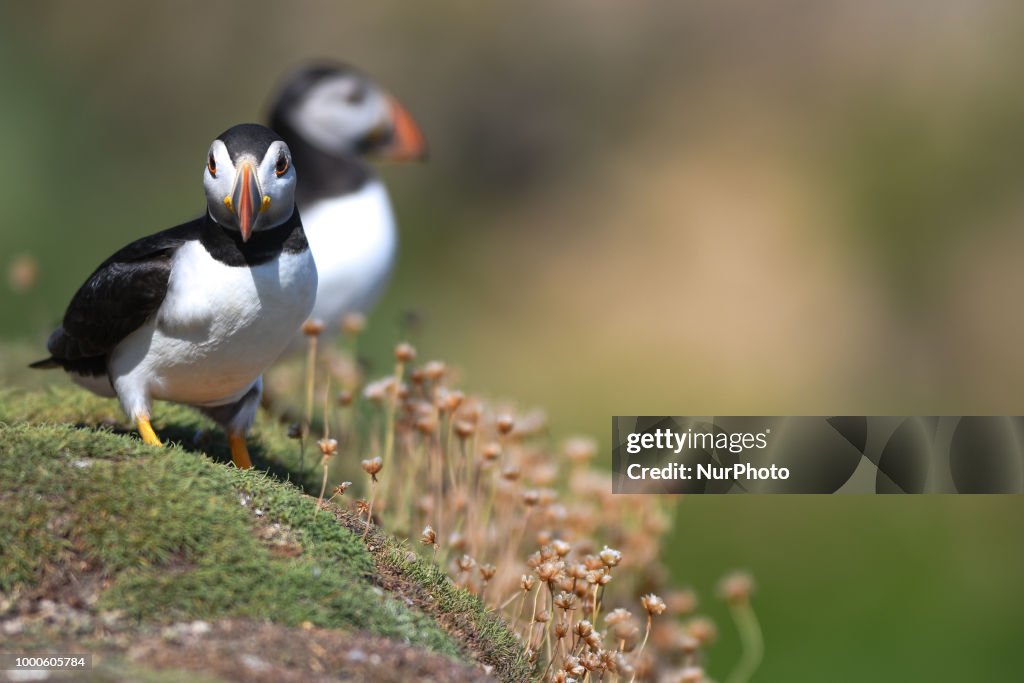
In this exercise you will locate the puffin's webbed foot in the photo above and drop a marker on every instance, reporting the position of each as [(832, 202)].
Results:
[(146, 431), (239, 451)]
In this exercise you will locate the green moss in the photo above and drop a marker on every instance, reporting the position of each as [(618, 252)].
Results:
[(269, 445), (170, 529), (178, 535)]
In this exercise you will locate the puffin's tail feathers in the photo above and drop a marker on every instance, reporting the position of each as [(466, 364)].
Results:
[(45, 364)]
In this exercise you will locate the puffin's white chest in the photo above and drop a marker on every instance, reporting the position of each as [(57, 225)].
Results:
[(218, 328), (353, 240)]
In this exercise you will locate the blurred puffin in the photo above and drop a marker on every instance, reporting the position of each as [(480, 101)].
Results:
[(332, 117), (195, 313)]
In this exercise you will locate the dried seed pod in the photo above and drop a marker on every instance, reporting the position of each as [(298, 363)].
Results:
[(313, 327), (736, 587), (610, 557), (405, 353), (505, 424), (373, 466), (428, 536), (353, 324), (328, 447), (653, 604)]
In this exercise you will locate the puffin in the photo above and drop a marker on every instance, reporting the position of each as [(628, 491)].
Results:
[(194, 314), (335, 119)]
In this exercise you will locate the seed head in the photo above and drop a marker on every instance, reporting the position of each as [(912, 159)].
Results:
[(453, 400), (405, 353), (550, 572), (428, 536), (736, 587), (510, 473), (466, 563), (345, 398), (703, 629), (527, 582), (313, 327), (464, 429), (542, 616), (583, 628), (340, 489), (353, 324), (328, 447), (653, 604), (373, 466), (691, 674), (617, 616), (531, 497), (505, 424), (294, 430), (580, 450), (434, 370), (426, 425), (561, 548), (487, 571), (610, 557), (566, 601), (573, 667), (561, 629), (491, 452), (456, 541), (681, 602)]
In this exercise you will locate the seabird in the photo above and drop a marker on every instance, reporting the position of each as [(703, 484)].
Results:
[(195, 313), (333, 118)]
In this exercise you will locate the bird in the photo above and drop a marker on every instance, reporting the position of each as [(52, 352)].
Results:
[(194, 314), (335, 118)]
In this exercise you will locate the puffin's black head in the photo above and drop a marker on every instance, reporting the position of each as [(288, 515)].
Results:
[(339, 110), (249, 179)]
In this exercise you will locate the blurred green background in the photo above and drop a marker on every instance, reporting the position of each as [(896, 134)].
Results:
[(640, 208)]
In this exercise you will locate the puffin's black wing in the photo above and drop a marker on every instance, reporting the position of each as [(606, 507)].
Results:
[(116, 300)]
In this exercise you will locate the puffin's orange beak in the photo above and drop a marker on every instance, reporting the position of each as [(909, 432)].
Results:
[(407, 142), (245, 199)]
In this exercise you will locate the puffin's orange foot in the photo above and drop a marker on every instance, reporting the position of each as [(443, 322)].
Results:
[(146, 431), (239, 451)]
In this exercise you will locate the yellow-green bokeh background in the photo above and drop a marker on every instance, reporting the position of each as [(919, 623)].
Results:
[(639, 208)]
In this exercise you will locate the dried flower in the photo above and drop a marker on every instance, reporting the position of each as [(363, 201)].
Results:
[(610, 557), (653, 604), (345, 398), (328, 447), (353, 324), (428, 536), (373, 466), (434, 370), (505, 424), (313, 327), (580, 450), (736, 587), (405, 353), (340, 489)]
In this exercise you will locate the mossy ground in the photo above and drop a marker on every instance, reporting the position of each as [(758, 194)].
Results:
[(93, 518)]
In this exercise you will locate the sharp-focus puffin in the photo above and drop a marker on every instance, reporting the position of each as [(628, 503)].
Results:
[(332, 116), (195, 313)]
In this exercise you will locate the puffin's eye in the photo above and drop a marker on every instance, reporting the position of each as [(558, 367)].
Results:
[(281, 167), (212, 165)]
